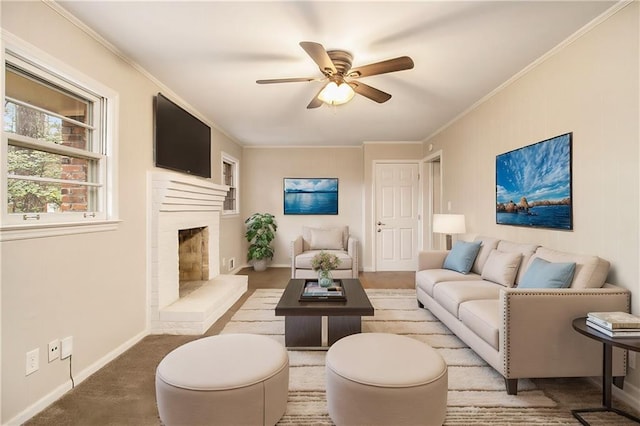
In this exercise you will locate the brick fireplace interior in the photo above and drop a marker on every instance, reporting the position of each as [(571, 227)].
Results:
[(193, 258)]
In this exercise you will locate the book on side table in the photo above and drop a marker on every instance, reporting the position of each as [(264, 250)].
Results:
[(615, 324)]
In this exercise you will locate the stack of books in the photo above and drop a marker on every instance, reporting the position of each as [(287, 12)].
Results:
[(615, 324)]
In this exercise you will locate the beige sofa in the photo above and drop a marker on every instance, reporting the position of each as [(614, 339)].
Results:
[(522, 332), (336, 240)]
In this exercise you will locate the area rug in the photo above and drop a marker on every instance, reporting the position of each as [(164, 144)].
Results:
[(476, 391)]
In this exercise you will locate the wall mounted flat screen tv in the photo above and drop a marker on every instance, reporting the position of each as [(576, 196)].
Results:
[(181, 141)]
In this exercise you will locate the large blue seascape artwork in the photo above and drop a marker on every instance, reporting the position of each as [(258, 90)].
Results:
[(533, 185), (310, 196)]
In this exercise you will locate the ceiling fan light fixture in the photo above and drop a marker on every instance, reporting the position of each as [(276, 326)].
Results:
[(334, 94)]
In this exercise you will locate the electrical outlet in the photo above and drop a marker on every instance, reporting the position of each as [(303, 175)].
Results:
[(224, 261), (66, 347), (54, 350), (632, 359), (33, 361)]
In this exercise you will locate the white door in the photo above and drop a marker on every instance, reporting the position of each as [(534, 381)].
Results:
[(396, 219)]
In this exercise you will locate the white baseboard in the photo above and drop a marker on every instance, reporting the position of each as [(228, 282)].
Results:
[(78, 378)]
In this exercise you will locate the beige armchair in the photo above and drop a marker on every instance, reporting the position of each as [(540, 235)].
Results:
[(335, 240)]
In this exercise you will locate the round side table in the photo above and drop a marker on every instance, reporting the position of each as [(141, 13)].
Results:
[(608, 342)]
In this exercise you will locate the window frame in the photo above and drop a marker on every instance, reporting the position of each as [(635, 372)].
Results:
[(235, 177), (103, 152)]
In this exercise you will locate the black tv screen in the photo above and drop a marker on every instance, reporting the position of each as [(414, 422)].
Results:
[(182, 142)]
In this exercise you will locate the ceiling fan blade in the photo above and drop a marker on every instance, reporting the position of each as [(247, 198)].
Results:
[(383, 67), (320, 56), (369, 92), (316, 102), (285, 80)]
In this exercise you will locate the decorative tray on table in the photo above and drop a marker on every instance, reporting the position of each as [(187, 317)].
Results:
[(312, 292)]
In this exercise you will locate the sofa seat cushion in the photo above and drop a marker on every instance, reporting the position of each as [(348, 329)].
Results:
[(451, 294), (427, 278), (483, 318), (590, 272), (303, 261)]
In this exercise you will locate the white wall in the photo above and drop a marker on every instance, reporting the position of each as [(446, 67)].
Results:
[(89, 286), (591, 88)]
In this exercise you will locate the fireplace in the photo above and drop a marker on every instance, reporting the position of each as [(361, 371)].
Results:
[(182, 204)]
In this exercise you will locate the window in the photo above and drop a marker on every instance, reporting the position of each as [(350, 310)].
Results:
[(230, 178), (54, 136)]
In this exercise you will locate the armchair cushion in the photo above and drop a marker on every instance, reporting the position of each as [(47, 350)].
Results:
[(303, 261), (326, 239), (306, 236)]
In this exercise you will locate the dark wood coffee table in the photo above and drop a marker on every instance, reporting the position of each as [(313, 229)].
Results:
[(303, 320)]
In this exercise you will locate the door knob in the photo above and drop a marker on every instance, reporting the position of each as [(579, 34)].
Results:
[(380, 223)]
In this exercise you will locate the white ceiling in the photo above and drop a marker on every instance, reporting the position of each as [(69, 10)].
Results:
[(210, 53)]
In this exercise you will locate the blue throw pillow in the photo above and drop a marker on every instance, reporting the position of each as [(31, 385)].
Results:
[(462, 256), (543, 274)]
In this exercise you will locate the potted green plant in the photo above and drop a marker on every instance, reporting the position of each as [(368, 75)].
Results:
[(261, 230)]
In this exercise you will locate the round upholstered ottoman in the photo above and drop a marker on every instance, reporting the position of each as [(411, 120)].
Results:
[(385, 379), (229, 379)]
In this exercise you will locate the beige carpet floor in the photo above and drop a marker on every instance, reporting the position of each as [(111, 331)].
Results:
[(123, 392)]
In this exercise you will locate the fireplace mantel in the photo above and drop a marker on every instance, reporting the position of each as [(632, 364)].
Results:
[(182, 202)]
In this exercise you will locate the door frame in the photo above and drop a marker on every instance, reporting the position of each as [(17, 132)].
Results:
[(374, 206), (429, 203)]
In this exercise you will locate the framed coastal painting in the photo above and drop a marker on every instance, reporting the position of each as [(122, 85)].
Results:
[(533, 185), (311, 196)]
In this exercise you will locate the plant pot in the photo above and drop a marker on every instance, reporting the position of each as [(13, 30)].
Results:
[(260, 265)]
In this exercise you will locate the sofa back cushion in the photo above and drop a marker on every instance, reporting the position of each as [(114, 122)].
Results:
[(501, 267), (315, 238), (486, 245), (590, 272), (526, 250)]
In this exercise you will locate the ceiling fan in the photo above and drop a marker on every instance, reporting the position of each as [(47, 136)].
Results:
[(341, 79)]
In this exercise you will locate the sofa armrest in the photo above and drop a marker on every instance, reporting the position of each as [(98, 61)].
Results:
[(431, 259), (537, 338), (352, 250), (296, 249)]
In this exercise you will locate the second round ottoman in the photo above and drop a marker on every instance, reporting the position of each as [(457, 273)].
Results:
[(383, 379)]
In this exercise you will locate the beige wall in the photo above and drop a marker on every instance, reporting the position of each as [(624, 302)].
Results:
[(263, 170), (231, 226), (590, 88), (89, 286)]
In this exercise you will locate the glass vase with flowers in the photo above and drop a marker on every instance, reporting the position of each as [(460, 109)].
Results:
[(324, 263)]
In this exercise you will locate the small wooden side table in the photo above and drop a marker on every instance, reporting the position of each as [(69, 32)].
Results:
[(608, 342)]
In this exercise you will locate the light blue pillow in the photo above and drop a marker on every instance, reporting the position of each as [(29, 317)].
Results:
[(462, 256), (543, 274)]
